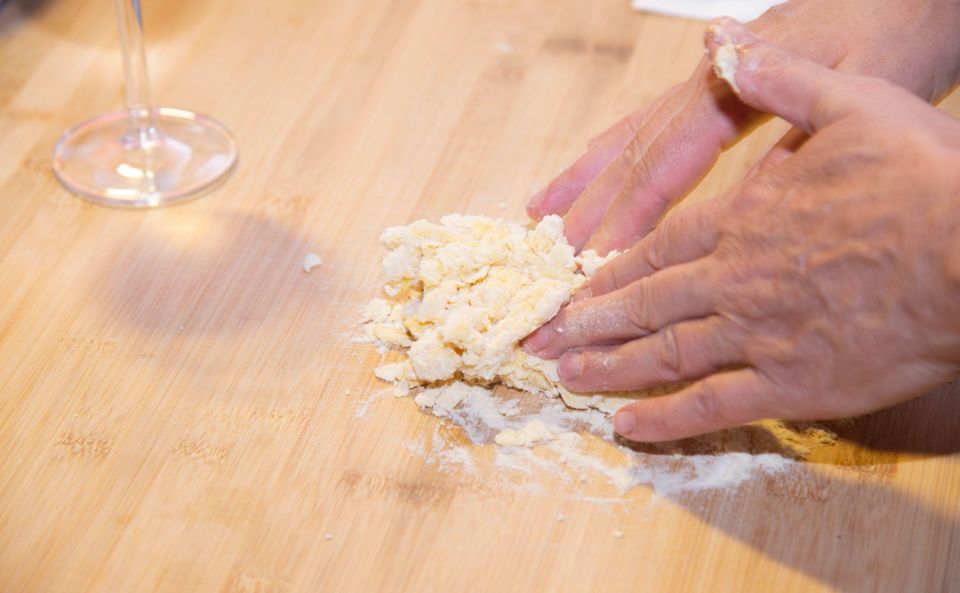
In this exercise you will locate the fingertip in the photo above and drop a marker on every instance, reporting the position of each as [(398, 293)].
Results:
[(583, 294), (535, 205), (570, 366), (715, 35), (625, 422), (536, 342)]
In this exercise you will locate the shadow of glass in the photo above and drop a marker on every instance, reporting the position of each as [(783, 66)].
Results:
[(193, 271)]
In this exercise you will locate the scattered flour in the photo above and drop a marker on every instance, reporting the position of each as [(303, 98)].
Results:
[(461, 295), (363, 406)]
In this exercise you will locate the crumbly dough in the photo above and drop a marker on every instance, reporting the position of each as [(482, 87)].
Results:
[(725, 60), (533, 432), (463, 292), (725, 64)]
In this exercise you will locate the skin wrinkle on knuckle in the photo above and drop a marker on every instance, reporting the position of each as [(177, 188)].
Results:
[(637, 307), (655, 249), (705, 404), (617, 277), (667, 355)]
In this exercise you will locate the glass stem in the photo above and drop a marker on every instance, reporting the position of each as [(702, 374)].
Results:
[(129, 21)]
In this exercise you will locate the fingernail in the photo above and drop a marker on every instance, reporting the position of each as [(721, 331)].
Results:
[(570, 366), (624, 422), (538, 340)]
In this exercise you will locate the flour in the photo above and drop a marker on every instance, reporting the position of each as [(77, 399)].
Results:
[(575, 446), (532, 433)]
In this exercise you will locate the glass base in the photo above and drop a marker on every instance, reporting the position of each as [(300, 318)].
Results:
[(106, 161)]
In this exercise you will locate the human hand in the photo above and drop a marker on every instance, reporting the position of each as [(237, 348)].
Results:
[(613, 194), (826, 285)]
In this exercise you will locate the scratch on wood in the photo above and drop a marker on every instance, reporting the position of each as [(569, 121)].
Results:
[(285, 205), (248, 583), (415, 492), (204, 452), (85, 445), (94, 346), (271, 418), (619, 52)]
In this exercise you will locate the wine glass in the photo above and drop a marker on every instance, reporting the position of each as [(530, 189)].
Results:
[(143, 156)]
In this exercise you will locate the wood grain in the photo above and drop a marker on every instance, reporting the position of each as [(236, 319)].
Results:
[(173, 406)]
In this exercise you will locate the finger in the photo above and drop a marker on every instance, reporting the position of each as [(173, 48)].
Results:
[(774, 80), (557, 197), (722, 400), (639, 116), (781, 151), (639, 309), (669, 154), (685, 235), (679, 352)]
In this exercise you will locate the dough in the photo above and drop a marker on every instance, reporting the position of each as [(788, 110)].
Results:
[(311, 261), (725, 60), (532, 433), (461, 295)]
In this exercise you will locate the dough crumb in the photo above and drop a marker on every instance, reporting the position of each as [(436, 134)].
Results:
[(725, 61), (617, 534), (311, 261), (532, 433)]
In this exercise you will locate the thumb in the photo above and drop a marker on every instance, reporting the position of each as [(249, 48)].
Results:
[(774, 80)]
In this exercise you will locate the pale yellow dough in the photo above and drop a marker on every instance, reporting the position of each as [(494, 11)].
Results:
[(463, 292)]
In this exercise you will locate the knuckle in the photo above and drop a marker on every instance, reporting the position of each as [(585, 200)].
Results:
[(634, 151), (638, 306), (705, 404), (667, 355), (609, 278), (655, 247)]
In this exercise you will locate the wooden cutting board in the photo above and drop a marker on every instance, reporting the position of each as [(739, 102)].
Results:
[(174, 407)]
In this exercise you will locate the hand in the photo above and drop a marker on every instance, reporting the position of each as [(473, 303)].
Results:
[(826, 285), (613, 194)]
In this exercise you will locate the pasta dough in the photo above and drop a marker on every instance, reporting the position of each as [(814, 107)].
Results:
[(463, 292)]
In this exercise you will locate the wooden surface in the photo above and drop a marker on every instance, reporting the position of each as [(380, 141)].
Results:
[(174, 412)]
